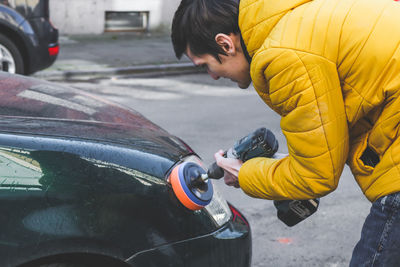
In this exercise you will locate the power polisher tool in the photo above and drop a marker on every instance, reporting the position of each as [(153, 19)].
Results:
[(194, 190)]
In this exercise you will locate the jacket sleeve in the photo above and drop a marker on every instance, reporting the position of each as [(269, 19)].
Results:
[(305, 90)]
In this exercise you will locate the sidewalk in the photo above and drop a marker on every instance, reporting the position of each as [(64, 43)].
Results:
[(110, 54)]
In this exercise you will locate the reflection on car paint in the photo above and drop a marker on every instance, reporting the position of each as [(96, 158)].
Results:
[(56, 101), (141, 177), (57, 221), (18, 172), (10, 16), (127, 156)]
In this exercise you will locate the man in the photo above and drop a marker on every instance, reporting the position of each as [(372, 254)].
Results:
[(331, 69)]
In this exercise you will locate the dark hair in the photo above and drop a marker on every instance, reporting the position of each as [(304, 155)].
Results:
[(197, 22)]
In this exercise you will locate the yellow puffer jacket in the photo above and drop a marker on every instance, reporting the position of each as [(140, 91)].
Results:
[(331, 69)]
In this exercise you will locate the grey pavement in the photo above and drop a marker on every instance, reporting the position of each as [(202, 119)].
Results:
[(116, 54)]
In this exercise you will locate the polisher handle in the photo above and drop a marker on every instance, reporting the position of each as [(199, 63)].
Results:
[(215, 171)]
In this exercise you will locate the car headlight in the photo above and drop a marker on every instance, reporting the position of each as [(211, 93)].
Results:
[(218, 207)]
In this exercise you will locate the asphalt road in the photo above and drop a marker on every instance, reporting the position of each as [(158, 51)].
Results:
[(209, 115)]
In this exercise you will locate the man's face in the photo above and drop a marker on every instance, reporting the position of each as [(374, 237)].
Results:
[(234, 67)]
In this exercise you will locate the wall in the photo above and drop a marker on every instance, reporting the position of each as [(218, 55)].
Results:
[(168, 7), (77, 16), (88, 16)]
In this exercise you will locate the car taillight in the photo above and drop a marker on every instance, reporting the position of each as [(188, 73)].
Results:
[(54, 50)]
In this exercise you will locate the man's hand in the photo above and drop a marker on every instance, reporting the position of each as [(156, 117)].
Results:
[(231, 167)]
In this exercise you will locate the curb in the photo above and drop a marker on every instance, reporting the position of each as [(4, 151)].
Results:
[(133, 71)]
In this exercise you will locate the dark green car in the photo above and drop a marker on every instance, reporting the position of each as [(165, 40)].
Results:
[(83, 183)]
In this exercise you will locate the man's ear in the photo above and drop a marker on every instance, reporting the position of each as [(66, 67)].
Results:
[(226, 43)]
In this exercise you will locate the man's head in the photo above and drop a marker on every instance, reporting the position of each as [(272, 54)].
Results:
[(207, 31)]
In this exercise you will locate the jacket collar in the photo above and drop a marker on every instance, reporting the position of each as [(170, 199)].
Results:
[(257, 18), (244, 48)]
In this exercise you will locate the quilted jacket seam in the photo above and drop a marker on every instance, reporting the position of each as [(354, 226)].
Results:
[(309, 130), (265, 20), (360, 104), (283, 70), (284, 27), (295, 80), (358, 93), (317, 177), (299, 24), (383, 68), (301, 132), (379, 125), (341, 31), (329, 24), (319, 110), (288, 99), (369, 35), (249, 5), (294, 49), (313, 27), (295, 95), (310, 157), (371, 184)]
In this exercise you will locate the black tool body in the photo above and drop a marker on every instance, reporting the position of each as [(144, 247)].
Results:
[(262, 143)]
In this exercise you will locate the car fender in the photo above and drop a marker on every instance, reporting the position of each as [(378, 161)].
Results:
[(73, 203)]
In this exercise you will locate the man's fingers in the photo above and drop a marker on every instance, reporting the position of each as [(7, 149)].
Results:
[(231, 167), (219, 155)]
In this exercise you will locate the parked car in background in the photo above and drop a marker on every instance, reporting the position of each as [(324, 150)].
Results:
[(28, 40), (83, 182)]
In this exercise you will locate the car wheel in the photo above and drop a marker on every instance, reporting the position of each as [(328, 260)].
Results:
[(10, 56)]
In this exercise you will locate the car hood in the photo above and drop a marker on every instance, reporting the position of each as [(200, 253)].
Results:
[(32, 108)]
